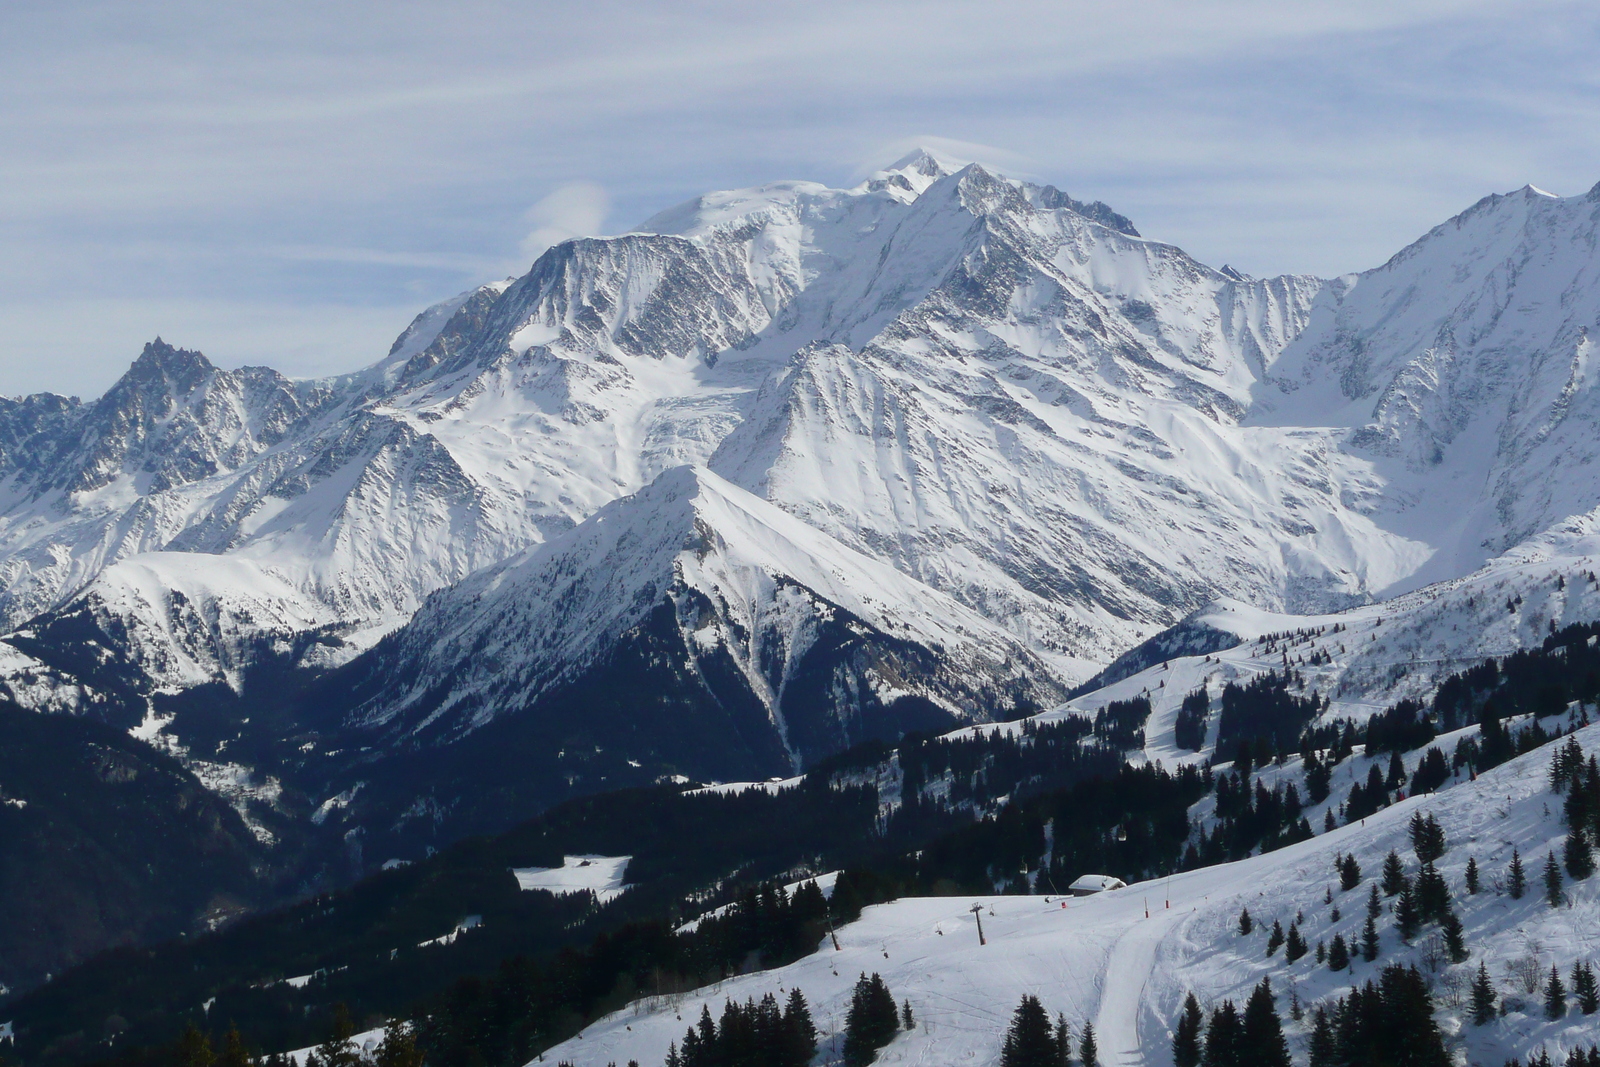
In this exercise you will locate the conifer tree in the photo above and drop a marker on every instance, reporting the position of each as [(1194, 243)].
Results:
[(1031, 1041), (1432, 894), (1261, 1041), (1397, 773), (1455, 941), (1406, 916), (1585, 989), (1223, 1035), (338, 1050), (1427, 837), (1063, 1040), (799, 1032), (1369, 939), (1246, 924), (1394, 874), (1338, 954), (1555, 996), (1324, 1050), (1483, 996), (234, 1054), (398, 1047), (1329, 823), (1275, 938), (1186, 1047), (1088, 1050), (1552, 881), (908, 1021), (1294, 944), (1579, 857), (1322, 953), (1472, 876), (1517, 877), (1374, 904), (871, 1023), (1349, 873), (194, 1049)]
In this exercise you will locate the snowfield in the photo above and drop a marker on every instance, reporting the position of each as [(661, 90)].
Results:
[(1124, 959), (601, 875), (1011, 398)]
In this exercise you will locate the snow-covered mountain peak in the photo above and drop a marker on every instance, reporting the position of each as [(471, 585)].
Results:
[(1462, 369)]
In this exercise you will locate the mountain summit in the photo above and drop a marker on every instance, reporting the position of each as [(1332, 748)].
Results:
[(948, 440)]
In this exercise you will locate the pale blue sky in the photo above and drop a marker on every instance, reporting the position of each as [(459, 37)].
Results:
[(288, 183)]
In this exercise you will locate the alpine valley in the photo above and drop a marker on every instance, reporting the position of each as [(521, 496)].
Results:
[(792, 486)]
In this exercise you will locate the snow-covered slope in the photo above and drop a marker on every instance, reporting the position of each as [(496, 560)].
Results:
[(1125, 959), (1067, 430), (985, 383), (1463, 369), (1366, 659), (804, 643)]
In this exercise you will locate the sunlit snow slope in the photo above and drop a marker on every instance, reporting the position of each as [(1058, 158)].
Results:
[(1009, 397), (1124, 960)]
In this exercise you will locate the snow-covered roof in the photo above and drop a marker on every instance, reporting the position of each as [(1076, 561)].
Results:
[(1095, 883)]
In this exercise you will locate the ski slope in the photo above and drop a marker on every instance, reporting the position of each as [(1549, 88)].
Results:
[(1125, 959)]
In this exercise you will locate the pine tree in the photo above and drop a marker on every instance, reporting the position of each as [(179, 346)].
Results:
[(398, 1047), (1063, 1041), (1246, 924), (1369, 939), (1406, 916), (1483, 997), (908, 1021), (234, 1054), (1186, 1048), (1472, 876), (1294, 944), (1585, 989), (1432, 893), (1275, 938), (1338, 954), (799, 1032), (1322, 953), (338, 1050), (1427, 837), (1088, 1051), (1374, 904), (871, 1023), (1223, 1036), (1030, 1042), (194, 1049), (1552, 881), (1329, 823), (1555, 996), (1455, 942), (1578, 855), (1324, 1049), (1262, 1042), (1394, 874), (1397, 773), (1349, 873), (1517, 881)]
